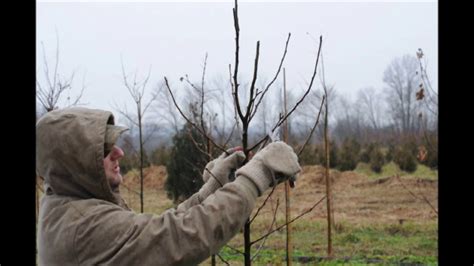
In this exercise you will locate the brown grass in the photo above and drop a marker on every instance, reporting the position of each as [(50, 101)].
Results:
[(356, 198)]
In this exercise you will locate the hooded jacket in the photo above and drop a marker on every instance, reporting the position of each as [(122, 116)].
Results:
[(82, 221)]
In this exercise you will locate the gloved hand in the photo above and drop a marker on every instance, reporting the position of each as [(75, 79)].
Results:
[(274, 164), (220, 171)]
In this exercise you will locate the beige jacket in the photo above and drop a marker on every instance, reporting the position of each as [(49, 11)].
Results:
[(83, 222)]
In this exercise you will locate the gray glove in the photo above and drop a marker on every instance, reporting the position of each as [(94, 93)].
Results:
[(220, 171), (274, 164)]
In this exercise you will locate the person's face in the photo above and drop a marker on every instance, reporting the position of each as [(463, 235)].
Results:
[(111, 166)]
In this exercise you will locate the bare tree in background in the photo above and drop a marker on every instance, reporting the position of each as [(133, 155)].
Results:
[(312, 107), (164, 110), (347, 122), (136, 88), (402, 81), (370, 102), (226, 132), (51, 93), (264, 118)]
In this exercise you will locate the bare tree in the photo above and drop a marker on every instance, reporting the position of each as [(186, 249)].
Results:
[(369, 100), (330, 215), (136, 88), (402, 81), (164, 110), (221, 103), (51, 92), (253, 97), (264, 118), (200, 117)]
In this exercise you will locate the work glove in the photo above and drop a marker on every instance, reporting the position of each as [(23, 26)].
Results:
[(274, 164), (221, 171)]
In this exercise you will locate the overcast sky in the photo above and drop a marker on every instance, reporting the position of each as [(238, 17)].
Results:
[(360, 39)]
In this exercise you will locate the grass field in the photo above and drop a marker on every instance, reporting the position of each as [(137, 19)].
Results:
[(377, 221)]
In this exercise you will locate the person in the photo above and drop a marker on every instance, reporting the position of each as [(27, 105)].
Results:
[(84, 221)]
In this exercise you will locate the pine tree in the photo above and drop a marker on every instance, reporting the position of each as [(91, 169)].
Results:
[(185, 164)]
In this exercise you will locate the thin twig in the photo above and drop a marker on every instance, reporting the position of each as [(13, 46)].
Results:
[(416, 197), (270, 228), (314, 127), (218, 181), (202, 95), (274, 78), (282, 119), (252, 86), (292, 220), (260, 142), (234, 249), (196, 145), (222, 259), (230, 135), (263, 204), (235, 105), (189, 121), (307, 91), (235, 92)]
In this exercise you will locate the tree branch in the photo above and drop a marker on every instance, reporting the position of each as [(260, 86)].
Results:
[(307, 91), (314, 127), (189, 121), (235, 93), (274, 78), (416, 197), (252, 86), (197, 145), (269, 229), (263, 204), (292, 220), (234, 249), (222, 259)]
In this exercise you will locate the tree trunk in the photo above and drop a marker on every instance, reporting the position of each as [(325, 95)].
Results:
[(287, 185), (247, 246), (141, 154), (328, 182)]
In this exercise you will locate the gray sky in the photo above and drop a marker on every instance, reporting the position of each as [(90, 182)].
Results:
[(359, 41)]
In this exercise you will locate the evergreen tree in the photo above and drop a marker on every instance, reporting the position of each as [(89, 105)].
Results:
[(349, 155), (185, 164)]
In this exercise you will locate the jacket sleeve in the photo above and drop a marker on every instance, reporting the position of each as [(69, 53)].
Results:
[(112, 236), (197, 198), (189, 202)]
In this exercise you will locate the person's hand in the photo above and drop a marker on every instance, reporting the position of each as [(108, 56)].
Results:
[(223, 167), (274, 164)]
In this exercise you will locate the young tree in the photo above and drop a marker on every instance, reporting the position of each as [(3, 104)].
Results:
[(244, 116), (136, 89)]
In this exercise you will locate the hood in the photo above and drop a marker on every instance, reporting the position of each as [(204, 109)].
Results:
[(70, 153)]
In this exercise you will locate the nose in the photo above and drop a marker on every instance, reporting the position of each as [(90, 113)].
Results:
[(116, 153)]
